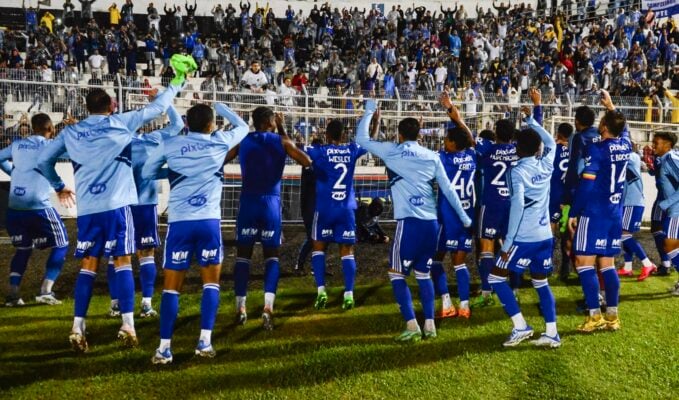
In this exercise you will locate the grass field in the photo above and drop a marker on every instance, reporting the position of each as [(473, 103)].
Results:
[(335, 354)]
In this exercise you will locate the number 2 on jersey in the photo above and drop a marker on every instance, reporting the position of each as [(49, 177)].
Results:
[(339, 185)]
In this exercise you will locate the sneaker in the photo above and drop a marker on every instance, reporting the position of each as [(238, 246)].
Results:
[(448, 312), (624, 272), (662, 271), (675, 291), (409, 336), (47, 298), (483, 301), (162, 357), (147, 311), (518, 336), (348, 303), (127, 337), (430, 334), (241, 316), (267, 319), (646, 272), (592, 323), (206, 351), (547, 341), (612, 322), (78, 342), (114, 311), (465, 313), (14, 301), (321, 301)]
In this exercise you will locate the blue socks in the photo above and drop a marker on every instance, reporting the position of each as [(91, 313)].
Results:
[(547, 302), (439, 277), (402, 295), (125, 288), (515, 280), (18, 266), (208, 306), (612, 286), (83, 292), (169, 307), (486, 263), (505, 294), (426, 293), (463, 281), (349, 272), (55, 262), (590, 286), (147, 275), (241, 275), (318, 266), (674, 257), (111, 278), (659, 239), (272, 272), (630, 245)]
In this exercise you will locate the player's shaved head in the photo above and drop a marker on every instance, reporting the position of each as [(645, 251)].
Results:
[(41, 123), (409, 128), (614, 121), (584, 117), (199, 118), (565, 130), (263, 118), (527, 143), (98, 102), (334, 129), (504, 131)]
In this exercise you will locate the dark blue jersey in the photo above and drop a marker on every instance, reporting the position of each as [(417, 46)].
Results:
[(334, 170), (262, 159), (461, 169), (558, 182), (495, 159)]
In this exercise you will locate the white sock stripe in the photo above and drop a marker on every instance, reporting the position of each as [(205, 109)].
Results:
[(124, 268), (243, 260), (422, 275), (673, 254), (271, 259), (171, 292), (604, 269), (213, 286), (486, 254), (658, 233), (538, 283), (582, 269), (147, 260), (395, 275), (317, 253), (87, 272), (349, 257), (460, 267), (15, 274), (24, 248), (492, 278), (626, 237)]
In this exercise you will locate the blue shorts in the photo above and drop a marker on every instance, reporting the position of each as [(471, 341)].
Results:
[(671, 227), (536, 257), (597, 236), (145, 218), (186, 239), (493, 221), (452, 236), (41, 229), (259, 220), (336, 225), (106, 234), (657, 213), (631, 218), (414, 245)]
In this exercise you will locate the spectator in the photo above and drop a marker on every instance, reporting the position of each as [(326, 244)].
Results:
[(254, 79), (114, 15), (96, 62)]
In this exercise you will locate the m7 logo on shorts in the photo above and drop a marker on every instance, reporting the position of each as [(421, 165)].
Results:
[(148, 240), (84, 245), (39, 241), (616, 242), (17, 238), (601, 243), (267, 234), (326, 232), (208, 254), (349, 234), (490, 231), (524, 262), (248, 231), (451, 243), (179, 256)]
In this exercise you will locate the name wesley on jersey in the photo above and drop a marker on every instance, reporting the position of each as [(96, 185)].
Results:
[(338, 155)]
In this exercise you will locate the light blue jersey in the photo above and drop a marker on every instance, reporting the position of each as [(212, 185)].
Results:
[(411, 170), (529, 220), (669, 180), (29, 190), (633, 194), (100, 148), (195, 168), (142, 146)]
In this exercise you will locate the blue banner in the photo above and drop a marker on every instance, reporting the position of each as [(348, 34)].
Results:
[(662, 8)]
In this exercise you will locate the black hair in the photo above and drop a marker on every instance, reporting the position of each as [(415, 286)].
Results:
[(261, 116), (98, 101), (487, 134), (199, 118), (335, 129), (615, 122), (409, 128), (504, 130), (565, 130), (527, 143), (667, 136), (376, 207), (460, 137), (584, 115), (40, 122)]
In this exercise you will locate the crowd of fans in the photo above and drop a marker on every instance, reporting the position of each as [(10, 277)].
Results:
[(568, 49)]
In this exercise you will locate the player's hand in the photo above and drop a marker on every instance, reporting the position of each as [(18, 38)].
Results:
[(606, 100), (535, 96), (572, 225), (69, 120), (504, 256), (445, 101), (153, 93), (279, 118), (526, 111), (66, 197)]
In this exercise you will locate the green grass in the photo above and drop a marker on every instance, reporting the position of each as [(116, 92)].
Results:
[(335, 354)]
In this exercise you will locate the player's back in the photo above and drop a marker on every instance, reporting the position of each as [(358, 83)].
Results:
[(460, 167), (669, 175), (558, 181), (610, 158), (29, 190), (634, 187), (657, 164), (262, 160), (334, 167), (496, 160)]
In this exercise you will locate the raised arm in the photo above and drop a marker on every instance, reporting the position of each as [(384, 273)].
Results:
[(176, 124), (239, 127), (450, 194), (455, 116), (138, 118), (380, 149), (516, 209)]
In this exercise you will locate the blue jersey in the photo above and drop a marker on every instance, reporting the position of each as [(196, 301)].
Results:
[(29, 190), (195, 168), (333, 167), (530, 178), (558, 182), (634, 187), (411, 170), (657, 163), (460, 168), (262, 159), (577, 144), (142, 145), (495, 159), (100, 148), (669, 182), (599, 192)]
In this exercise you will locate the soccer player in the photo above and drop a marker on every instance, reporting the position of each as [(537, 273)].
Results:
[(194, 169), (262, 157), (32, 222), (459, 160), (557, 187), (632, 211), (658, 217), (411, 168), (307, 199), (663, 145), (495, 160), (529, 240), (334, 219), (596, 217), (100, 150)]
